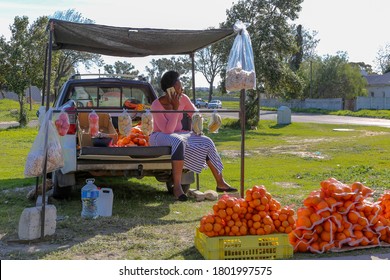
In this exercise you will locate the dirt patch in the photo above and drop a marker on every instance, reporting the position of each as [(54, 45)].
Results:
[(288, 185)]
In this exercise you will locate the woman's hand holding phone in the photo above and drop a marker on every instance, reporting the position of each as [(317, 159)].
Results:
[(173, 97)]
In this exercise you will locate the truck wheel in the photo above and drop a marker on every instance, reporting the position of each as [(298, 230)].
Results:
[(60, 192), (185, 187)]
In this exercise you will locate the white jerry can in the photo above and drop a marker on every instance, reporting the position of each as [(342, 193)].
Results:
[(104, 202)]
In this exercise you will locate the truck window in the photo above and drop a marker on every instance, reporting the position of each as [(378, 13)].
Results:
[(109, 97)]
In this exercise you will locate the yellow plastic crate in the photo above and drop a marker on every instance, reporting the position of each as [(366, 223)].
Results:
[(248, 247)]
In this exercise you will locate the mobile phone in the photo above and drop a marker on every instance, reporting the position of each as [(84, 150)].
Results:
[(170, 91)]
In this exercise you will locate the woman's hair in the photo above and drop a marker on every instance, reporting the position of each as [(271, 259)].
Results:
[(169, 79)]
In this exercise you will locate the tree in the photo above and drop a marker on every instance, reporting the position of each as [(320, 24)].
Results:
[(66, 61), (273, 44), (383, 59), (22, 60), (121, 67), (159, 66), (336, 77), (210, 63), (296, 60)]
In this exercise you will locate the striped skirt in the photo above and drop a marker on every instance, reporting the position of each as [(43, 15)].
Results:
[(196, 149)]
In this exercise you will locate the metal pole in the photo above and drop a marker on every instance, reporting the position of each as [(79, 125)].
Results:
[(192, 55), (242, 119), (44, 77), (43, 214)]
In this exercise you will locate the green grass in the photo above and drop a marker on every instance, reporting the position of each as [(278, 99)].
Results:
[(6, 105), (147, 223)]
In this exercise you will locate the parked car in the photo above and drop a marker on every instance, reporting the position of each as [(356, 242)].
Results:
[(199, 103), (215, 104)]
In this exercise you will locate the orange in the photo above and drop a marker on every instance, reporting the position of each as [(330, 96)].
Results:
[(302, 247), (325, 236), (315, 217), (267, 229), (353, 217), (362, 221), (264, 200), (230, 202), (236, 208), (243, 230), (209, 219), (229, 211), (303, 221), (222, 213), (330, 226), (322, 205), (221, 204), (208, 227), (288, 229), (260, 231), (263, 214), (256, 194), (285, 224), (217, 228), (256, 225), (235, 229), (256, 217), (268, 221), (283, 217), (319, 228)]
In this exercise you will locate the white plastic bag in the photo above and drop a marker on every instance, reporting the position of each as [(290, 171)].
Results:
[(215, 122), (147, 122), (36, 157), (125, 123), (240, 72), (197, 123)]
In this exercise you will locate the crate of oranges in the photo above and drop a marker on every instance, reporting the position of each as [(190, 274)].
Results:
[(254, 227), (249, 247)]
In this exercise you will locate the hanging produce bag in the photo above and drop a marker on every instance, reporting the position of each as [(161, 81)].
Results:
[(147, 122), (215, 122), (48, 141), (125, 123), (240, 72)]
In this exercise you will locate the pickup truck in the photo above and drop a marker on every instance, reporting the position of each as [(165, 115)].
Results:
[(109, 95)]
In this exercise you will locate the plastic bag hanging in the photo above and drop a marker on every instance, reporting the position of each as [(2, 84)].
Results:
[(147, 123), (125, 123), (215, 122), (36, 157), (197, 123), (62, 123), (93, 119), (240, 72)]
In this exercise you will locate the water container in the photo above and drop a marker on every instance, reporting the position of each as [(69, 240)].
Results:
[(89, 196), (104, 202)]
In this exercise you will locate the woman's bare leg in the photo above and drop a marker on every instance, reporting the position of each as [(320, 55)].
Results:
[(218, 176), (177, 170)]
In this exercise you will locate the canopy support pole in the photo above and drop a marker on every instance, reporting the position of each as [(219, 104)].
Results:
[(242, 120), (44, 172), (192, 55)]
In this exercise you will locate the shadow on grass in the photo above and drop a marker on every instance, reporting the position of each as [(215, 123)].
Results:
[(136, 205)]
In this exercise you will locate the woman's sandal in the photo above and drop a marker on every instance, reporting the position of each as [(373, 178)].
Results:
[(229, 189)]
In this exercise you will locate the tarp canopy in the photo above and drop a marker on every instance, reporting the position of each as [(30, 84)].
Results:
[(132, 42)]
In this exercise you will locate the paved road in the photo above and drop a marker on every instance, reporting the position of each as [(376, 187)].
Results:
[(318, 118), (272, 115)]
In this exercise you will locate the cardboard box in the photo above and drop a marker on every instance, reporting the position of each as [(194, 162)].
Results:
[(105, 126)]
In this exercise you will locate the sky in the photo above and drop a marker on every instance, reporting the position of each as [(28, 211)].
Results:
[(357, 27)]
